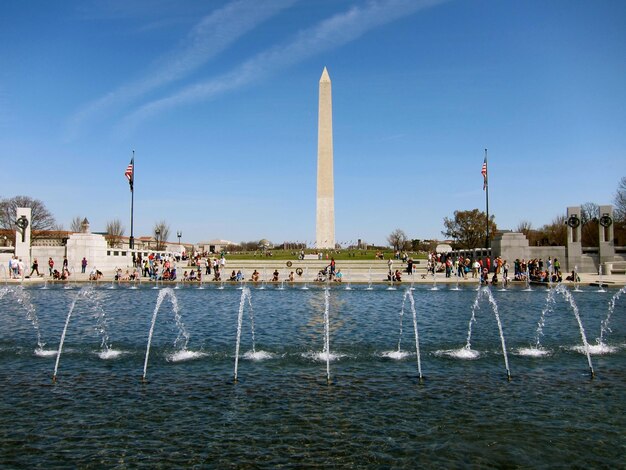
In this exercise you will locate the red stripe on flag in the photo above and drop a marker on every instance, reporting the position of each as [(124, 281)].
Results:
[(130, 173), (484, 173)]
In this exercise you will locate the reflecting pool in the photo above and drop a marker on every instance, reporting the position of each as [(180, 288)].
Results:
[(325, 377)]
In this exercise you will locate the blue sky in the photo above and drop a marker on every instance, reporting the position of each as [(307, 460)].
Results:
[(219, 101)]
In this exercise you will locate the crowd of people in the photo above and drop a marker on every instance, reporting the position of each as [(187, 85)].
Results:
[(538, 270), (17, 269), (157, 267), (330, 273), (490, 271)]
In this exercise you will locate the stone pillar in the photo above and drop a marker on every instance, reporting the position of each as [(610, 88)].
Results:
[(510, 246), (22, 248), (607, 239), (325, 223), (574, 238), (91, 246)]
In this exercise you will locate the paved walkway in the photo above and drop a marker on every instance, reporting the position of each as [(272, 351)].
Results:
[(358, 272)]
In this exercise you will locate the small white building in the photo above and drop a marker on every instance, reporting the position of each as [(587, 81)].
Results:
[(443, 248), (213, 246)]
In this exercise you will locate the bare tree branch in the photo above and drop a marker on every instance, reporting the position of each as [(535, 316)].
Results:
[(115, 232)]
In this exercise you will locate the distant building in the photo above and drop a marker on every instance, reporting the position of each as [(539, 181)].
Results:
[(213, 246), (443, 248)]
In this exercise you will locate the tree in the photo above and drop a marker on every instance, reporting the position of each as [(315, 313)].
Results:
[(77, 224), (423, 245), (469, 228), (552, 234), (161, 232), (590, 234), (619, 201), (588, 212), (619, 213), (115, 232), (252, 245), (41, 218), (397, 239), (524, 227)]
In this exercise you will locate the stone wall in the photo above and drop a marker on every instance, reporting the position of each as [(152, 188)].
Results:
[(558, 252), (510, 246), (513, 245), (42, 253)]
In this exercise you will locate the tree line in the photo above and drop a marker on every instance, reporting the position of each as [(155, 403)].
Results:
[(43, 222), (468, 229)]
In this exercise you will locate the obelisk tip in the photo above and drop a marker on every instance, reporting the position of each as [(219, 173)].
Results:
[(325, 77)]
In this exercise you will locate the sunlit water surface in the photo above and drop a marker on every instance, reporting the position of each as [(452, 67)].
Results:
[(282, 412)]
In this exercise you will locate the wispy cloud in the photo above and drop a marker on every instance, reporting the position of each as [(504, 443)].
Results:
[(326, 35), (209, 37)]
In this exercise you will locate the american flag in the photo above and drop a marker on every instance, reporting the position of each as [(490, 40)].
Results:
[(484, 173), (130, 172)]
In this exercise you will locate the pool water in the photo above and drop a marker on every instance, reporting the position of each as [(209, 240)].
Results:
[(282, 412)]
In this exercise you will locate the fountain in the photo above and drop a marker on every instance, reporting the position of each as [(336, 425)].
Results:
[(22, 298), (246, 295), (369, 279), (550, 303), (434, 287), (399, 354), (550, 272), (326, 354), (88, 293), (466, 352), (183, 336), (528, 288), (576, 280), (600, 347), (306, 277), (456, 279), (288, 395), (4, 270), (600, 285), (263, 279)]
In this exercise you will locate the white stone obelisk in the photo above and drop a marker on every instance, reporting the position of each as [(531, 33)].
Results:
[(325, 227)]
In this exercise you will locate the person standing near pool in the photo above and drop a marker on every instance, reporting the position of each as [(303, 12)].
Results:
[(35, 268)]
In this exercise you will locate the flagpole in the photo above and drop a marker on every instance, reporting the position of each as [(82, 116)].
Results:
[(487, 200), (131, 240)]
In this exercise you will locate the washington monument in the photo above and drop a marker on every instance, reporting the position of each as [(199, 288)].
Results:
[(325, 227)]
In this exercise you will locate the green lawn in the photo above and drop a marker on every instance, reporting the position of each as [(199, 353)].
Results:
[(338, 255)]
